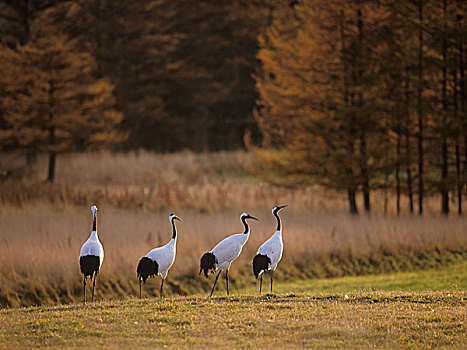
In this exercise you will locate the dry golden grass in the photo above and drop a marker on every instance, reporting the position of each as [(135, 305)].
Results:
[(40, 244), (43, 226), (205, 182)]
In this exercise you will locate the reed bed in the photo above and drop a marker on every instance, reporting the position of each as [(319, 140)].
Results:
[(203, 182)]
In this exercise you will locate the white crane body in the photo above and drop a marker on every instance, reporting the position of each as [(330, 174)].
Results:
[(229, 249), (273, 249), (225, 252), (164, 256), (270, 252), (91, 255), (93, 247), (159, 260)]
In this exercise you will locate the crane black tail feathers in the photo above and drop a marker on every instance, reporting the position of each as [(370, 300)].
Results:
[(207, 263), (89, 264), (147, 268), (260, 263)]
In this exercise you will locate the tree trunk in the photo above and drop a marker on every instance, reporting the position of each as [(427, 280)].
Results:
[(52, 156), (398, 157), (52, 161), (408, 152), (444, 143), (457, 145), (463, 101), (366, 196), (421, 188), (352, 201), (365, 176), (444, 176), (351, 192), (459, 178), (386, 186)]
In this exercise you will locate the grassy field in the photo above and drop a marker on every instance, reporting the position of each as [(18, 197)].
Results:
[(43, 226), (331, 313)]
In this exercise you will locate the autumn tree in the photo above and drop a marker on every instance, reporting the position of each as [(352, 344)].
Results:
[(212, 90), (54, 104), (445, 35), (183, 78), (432, 36), (131, 42), (320, 105)]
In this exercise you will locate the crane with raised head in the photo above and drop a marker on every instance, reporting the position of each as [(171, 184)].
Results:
[(225, 252), (91, 255), (270, 252), (159, 260)]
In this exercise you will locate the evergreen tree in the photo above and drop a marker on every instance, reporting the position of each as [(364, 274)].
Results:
[(319, 98), (53, 103)]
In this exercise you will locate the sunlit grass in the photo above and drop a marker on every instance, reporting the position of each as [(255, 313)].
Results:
[(303, 320), (453, 277)]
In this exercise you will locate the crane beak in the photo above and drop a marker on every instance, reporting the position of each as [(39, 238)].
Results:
[(252, 217), (177, 218), (283, 206)]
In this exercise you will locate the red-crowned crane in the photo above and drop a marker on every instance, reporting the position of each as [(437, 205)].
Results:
[(225, 252), (159, 260), (91, 255), (270, 252)]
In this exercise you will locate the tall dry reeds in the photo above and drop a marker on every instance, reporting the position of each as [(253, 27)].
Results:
[(39, 244), (204, 182)]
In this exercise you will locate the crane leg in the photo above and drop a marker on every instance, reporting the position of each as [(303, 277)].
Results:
[(215, 281), (140, 288), (93, 286), (227, 280), (84, 289), (162, 287), (271, 279), (260, 283)]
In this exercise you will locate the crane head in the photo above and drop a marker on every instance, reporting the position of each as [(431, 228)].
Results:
[(94, 209), (248, 216), (174, 217), (277, 208)]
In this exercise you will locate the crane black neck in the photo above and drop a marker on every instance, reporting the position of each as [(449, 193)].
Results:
[(94, 225), (174, 229), (247, 229), (278, 221)]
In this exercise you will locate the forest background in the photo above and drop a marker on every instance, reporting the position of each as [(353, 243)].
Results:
[(353, 95), (211, 108)]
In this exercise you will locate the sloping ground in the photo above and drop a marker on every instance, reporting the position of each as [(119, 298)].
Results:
[(324, 313), (357, 320), (452, 277), (432, 270)]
